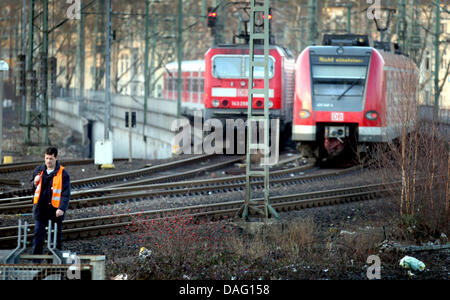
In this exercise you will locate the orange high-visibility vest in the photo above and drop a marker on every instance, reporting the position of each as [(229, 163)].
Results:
[(56, 188)]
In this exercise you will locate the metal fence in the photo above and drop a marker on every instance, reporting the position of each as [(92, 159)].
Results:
[(42, 272), (89, 267), (426, 113)]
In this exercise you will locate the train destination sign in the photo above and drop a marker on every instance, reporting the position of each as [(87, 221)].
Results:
[(341, 60)]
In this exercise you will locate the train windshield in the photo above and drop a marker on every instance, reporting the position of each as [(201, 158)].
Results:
[(237, 66), (339, 84)]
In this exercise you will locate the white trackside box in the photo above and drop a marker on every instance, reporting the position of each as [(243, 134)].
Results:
[(103, 152)]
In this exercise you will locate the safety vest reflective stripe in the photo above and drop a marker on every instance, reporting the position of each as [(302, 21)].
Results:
[(56, 189), (37, 192)]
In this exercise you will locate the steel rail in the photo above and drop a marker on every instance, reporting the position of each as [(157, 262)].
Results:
[(117, 176), (30, 165), (94, 226), (181, 188)]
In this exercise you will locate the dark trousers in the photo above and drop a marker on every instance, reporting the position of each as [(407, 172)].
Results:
[(40, 234)]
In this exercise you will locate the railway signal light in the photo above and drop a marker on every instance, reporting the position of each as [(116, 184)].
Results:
[(133, 119), (259, 22), (212, 17)]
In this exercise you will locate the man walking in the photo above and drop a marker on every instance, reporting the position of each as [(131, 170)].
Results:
[(51, 184)]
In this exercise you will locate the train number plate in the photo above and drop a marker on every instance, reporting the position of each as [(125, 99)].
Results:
[(337, 116)]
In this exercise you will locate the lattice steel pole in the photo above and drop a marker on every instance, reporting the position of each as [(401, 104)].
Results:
[(312, 23), (146, 54), (81, 53), (27, 138), (44, 77), (436, 59), (179, 55), (249, 206), (108, 71)]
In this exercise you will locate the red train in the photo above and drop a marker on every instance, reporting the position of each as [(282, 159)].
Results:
[(218, 85), (226, 83), (347, 97)]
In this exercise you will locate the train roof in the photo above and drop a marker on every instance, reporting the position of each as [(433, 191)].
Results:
[(339, 50), (397, 61), (187, 65)]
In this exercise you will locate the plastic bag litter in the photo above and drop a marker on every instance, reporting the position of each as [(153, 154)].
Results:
[(412, 263), (144, 252), (120, 277)]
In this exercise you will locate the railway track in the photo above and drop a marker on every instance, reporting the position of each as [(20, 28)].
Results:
[(97, 226), (127, 176), (181, 189), (30, 165)]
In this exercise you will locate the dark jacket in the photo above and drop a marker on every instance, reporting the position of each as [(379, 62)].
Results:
[(43, 209)]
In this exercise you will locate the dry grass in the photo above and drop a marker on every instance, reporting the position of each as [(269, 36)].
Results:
[(294, 240)]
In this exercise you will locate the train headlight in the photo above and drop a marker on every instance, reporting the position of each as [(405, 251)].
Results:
[(215, 103), (371, 115), (304, 114), (270, 104)]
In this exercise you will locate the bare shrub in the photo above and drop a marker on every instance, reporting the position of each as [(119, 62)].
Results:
[(418, 157), (178, 236)]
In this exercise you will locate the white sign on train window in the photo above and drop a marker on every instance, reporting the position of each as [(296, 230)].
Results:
[(339, 72)]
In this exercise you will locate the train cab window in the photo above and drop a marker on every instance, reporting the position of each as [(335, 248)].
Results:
[(237, 66), (258, 72), (338, 86), (335, 80), (227, 66)]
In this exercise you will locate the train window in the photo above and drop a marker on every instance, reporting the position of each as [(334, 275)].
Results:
[(259, 71), (237, 66), (227, 67), (189, 85), (338, 87)]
